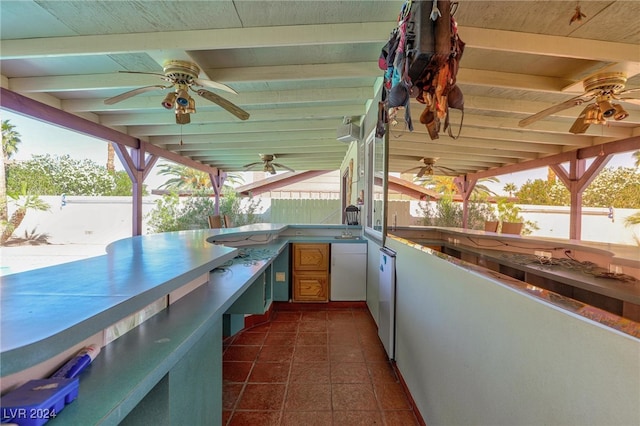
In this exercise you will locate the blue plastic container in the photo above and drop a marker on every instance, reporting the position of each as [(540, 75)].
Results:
[(38, 401)]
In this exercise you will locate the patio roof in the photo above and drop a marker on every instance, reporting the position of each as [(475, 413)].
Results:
[(301, 68)]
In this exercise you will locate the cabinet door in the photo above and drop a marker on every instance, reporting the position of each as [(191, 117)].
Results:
[(310, 257), (349, 272), (310, 286)]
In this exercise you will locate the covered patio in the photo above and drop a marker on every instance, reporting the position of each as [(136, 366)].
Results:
[(303, 70)]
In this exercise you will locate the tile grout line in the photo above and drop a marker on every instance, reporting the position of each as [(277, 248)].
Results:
[(364, 338)]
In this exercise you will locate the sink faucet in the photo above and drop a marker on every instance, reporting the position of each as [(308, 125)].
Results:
[(346, 232)]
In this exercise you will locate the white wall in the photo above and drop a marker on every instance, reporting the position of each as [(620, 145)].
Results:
[(100, 220), (84, 219), (596, 225), (476, 352), (553, 221)]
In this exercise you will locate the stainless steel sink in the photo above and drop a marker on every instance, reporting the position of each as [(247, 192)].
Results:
[(347, 237)]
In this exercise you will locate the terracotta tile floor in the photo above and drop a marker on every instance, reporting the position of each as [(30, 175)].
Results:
[(312, 367)]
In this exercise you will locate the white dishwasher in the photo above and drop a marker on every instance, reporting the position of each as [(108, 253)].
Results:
[(348, 271), (387, 301)]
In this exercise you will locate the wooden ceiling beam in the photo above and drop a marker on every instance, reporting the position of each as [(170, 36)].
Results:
[(212, 39), (624, 145), (547, 45)]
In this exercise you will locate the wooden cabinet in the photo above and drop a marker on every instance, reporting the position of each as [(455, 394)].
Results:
[(310, 272)]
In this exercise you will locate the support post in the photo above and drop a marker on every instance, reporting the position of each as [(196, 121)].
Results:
[(577, 179), (217, 181), (137, 165), (465, 188)]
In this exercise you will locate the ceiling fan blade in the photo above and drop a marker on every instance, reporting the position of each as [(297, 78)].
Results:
[(621, 96), (578, 100), (579, 126), (143, 72), (446, 169), (405, 157), (282, 166), (248, 166), (624, 92), (447, 172), (634, 101), (232, 108), (422, 172), (214, 85), (412, 169), (134, 92)]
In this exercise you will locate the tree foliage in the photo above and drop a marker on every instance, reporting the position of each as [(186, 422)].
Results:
[(173, 213), (10, 141), (448, 213), (185, 178), (24, 201), (613, 187), (55, 175), (446, 185), (543, 192)]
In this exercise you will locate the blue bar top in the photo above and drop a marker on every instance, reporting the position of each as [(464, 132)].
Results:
[(59, 306), (43, 312)]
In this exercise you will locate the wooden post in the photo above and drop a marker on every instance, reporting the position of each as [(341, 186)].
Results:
[(217, 181), (465, 187), (137, 165), (577, 179)]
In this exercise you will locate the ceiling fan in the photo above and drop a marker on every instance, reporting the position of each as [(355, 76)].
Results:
[(429, 168), (267, 164), (183, 76), (603, 89)]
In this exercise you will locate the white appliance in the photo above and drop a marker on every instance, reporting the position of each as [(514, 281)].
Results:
[(387, 301), (349, 271)]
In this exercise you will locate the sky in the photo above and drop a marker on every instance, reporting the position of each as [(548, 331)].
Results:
[(39, 139)]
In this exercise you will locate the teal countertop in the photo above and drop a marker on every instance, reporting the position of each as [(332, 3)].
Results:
[(621, 254), (44, 312), (59, 306)]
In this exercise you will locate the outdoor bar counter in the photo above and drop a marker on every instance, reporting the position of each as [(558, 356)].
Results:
[(167, 369), (576, 269)]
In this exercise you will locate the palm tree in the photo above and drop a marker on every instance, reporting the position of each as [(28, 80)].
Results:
[(510, 188), (186, 178), (10, 142), (445, 185), (634, 219), (111, 155), (24, 202), (440, 184)]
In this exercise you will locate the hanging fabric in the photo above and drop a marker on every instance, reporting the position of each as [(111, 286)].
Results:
[(421, 60)]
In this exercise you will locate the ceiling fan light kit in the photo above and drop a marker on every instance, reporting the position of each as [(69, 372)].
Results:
[(429, 168), (620, 113), (268, 166), (183, 76), (169, 101)]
